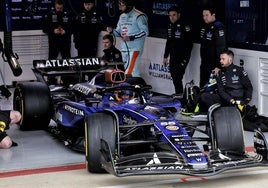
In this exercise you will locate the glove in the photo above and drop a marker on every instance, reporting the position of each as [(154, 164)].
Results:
[(232, 101), (2, 126), (247, 100)]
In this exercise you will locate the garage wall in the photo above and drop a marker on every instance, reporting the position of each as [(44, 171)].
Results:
[(32, 45)]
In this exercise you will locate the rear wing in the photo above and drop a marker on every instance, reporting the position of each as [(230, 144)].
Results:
[(73, 64)]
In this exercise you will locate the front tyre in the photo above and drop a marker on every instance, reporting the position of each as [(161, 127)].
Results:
[(33, 101), (98, 126), (229, 129)]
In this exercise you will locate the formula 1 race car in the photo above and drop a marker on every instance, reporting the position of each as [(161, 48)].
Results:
[(41, 101), (129, 131)]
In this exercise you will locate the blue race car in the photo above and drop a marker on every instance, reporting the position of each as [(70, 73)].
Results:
[(125, 130)]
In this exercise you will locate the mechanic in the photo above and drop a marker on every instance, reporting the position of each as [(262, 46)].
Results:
[(6, 118), (233, 84), (212, 43), (86, 30), (111, 53), (178, 47), (132, 27), (58, 27)]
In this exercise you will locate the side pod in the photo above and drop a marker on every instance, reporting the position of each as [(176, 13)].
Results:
[(260, 144)]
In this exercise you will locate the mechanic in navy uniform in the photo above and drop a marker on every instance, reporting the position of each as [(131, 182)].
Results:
[(111, 53), (212, 43), (233, 84), (178, 48), (6, 118), (86, 30), (58, 27)]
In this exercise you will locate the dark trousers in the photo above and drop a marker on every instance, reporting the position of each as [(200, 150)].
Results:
[(205, 71), (208, 99), (177, 70), (55, 49), (87, 52)]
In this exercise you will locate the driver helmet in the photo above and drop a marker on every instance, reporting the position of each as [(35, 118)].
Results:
[(124, 95)]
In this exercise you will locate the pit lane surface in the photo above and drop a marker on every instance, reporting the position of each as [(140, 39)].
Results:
[(256, 177)]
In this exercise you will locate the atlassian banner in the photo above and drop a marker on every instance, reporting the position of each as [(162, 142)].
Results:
[(158, 76), (152, 69)]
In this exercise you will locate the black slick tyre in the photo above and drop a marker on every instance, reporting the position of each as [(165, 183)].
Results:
[(229, 129), (98, 126), (34, 102)]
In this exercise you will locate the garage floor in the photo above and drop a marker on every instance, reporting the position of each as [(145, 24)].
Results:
[(42, 161)]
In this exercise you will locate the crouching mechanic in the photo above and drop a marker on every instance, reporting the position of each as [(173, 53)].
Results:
[(111, 53), (6, 118), (233, 84)]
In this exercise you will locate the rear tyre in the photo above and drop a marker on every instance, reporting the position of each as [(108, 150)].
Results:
[(33, 100), (229, 129), (98, 126)]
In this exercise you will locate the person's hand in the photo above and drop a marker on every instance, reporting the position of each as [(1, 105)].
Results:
[(15, 116), (62, 31), (125, 38), (247, 100), (165, 62), (109, 29), (57, 31), (232, 101), (216, 71)]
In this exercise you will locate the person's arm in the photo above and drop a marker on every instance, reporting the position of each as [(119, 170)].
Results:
[(167, 48), (167, 52), (220, 40), (143, 27), (46, 24), (116, 31), (66, 27), (221, 89), (118, 56), (188, 43), (247, 85), (76, 29)]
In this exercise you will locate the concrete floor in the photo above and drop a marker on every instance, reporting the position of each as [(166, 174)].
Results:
[(254, 178)]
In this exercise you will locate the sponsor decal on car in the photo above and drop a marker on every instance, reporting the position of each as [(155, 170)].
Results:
[(172, 127), (258, 141), (195, 154), (82, 89), (69, 62), (164, 123), (230, 163), (73, 110), (165, 167)]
